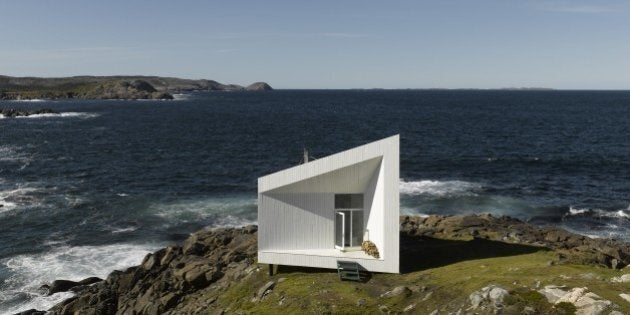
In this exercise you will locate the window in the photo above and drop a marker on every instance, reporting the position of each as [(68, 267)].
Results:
[(349, 201), (348, 221)]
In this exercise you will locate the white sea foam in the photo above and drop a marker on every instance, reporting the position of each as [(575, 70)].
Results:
[(622, 213), (6, 206), (225, 210), (124, 230), (181, 96), (436, 188), (35, 301), (13, 198), (29, 272), (12, 153), (231, 221), (9, 153), (34, 100), (575, 211), (415, 214), (61, 115)]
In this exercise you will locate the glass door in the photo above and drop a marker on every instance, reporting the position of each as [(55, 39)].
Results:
[(348, 229), (348, 221)]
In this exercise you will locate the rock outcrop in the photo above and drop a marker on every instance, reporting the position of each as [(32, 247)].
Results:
[(67, 285), (621, 279), (584, 301), (124, 89), (196, 276), (15, 112), (572, 248), (165, 279), (488, 298), (259, 86)]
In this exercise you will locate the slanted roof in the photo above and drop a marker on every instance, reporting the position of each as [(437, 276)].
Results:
[(352, 157)]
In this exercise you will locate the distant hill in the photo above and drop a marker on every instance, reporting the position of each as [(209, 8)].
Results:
[(110, 87)]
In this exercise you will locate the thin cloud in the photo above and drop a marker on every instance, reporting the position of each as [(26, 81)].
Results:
[(344, 35), (232, 36), (88, 49), (577, 8), (225, 51)]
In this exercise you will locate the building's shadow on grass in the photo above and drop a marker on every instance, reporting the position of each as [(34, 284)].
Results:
[(421, 252), (293, 269), (283, 269)]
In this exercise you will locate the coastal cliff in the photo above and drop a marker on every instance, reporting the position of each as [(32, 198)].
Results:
[(449, 264), (110, 87)]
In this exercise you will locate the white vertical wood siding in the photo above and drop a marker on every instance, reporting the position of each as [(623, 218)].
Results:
[(375, 229), (296, 221), (296, 206)]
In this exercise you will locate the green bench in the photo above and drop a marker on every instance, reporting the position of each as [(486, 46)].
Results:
[(348, 270)]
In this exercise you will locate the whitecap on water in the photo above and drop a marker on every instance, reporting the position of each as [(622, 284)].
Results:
[(13, 198), (598, 213), (124, 229), (181, 96), (28, 272), (34, 100), (231, 221), (576, 211), (222, 209), (10, 153), (437, 188), (598, 223), (62, 115)]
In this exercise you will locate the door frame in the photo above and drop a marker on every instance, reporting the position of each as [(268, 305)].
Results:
[(343, 229)]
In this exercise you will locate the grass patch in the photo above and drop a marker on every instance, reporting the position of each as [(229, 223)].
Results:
[(445, 288)]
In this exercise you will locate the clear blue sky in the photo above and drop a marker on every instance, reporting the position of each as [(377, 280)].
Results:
[(569, 44)]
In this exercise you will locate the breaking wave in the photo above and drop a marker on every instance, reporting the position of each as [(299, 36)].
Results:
[(28, 272), (224, 212), (61, 115), (13, 198), (599, 213), (12, 153), (34, 100), (450, 188), (181, 96)]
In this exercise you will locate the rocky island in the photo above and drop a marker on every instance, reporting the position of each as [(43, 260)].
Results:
[(110, 87), (476, 264), (15, 112)]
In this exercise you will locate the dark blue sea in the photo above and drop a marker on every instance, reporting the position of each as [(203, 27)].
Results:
[(99, 185)]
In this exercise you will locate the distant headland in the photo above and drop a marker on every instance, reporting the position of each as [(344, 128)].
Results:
[(111, 87)]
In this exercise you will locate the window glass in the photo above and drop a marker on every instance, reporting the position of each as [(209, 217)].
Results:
[(357, 228), (349, 201)]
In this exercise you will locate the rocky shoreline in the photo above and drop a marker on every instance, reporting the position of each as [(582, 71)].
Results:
[(16, 112), (111, 87), (215, 271), (572, 248)]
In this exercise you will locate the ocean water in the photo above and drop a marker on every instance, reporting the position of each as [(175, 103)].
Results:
[(101, 184)]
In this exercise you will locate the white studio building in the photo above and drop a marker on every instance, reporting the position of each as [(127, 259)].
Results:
[(320, 212)]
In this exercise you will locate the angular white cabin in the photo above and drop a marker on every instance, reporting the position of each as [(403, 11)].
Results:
[(317, 213)]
